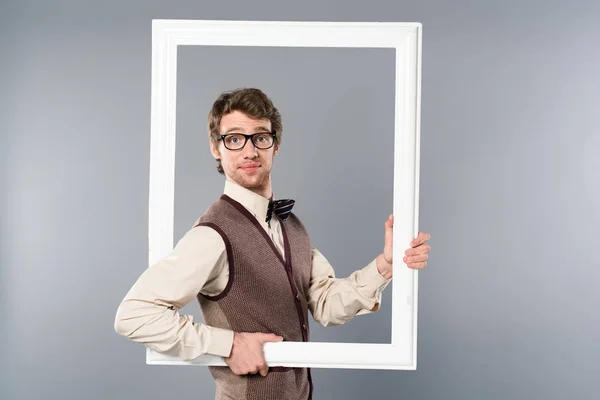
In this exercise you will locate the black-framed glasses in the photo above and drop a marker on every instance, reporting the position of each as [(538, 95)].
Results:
[(237, 141)]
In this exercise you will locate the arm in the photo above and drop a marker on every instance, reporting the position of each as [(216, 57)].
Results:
[(149, 312), (335, 301)]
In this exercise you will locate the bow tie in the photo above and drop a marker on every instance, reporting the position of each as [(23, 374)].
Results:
[(282, 208)]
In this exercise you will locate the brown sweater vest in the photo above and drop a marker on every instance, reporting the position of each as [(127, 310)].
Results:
[(264, 294)]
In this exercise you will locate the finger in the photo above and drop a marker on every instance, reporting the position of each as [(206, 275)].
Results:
[(388, 234), (417, 258), (421, 238), (419, 265), (426, 237), (389, 223), (264, 369), (422, 249), (388, 237), (271, 337)]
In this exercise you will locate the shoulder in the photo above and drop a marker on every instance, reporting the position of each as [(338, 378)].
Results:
[(295, 220), (201, 237), (295, 226)]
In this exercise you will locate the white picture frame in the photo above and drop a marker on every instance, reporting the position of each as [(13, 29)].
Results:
[(405, 38)]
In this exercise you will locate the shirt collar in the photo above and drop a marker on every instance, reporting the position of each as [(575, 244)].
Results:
[(255, 203)]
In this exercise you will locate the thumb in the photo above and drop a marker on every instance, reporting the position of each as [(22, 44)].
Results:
[(271, 337), (389, 230), (389, 223)]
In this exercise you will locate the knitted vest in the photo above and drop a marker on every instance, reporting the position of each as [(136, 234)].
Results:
[(264, 294)]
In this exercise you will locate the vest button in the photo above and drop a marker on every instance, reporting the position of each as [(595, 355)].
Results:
[(304, 326)]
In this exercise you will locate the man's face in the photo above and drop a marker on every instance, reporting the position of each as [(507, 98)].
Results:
[(249, 167)]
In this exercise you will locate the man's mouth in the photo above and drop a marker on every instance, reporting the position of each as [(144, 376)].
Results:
[(250, 167)]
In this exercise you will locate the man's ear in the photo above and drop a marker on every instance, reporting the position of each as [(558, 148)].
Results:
[(214, 150)]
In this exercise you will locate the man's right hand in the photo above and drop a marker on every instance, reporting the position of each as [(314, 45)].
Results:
[(247, 356)]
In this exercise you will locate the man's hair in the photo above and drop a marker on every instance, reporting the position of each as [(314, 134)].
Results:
[(252, 102)]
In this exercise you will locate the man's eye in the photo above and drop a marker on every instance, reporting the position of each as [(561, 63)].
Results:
[(234, 139)]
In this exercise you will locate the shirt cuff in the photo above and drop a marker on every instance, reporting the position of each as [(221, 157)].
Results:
[(371, 286), (372, 277), (221, 341)]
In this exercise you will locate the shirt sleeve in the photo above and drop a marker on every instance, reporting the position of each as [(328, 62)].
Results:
[(149, 313), (335, 301)]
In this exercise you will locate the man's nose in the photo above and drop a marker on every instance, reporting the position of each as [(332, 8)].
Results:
[(249, 149)]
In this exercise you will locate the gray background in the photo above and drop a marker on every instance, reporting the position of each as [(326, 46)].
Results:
[(510, 152), (336, 157)]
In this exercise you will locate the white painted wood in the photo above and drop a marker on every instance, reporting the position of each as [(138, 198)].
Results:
[(401, 353)]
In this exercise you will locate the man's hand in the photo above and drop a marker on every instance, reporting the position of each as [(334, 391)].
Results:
[(415, 257), (418, 253), (247, 356)]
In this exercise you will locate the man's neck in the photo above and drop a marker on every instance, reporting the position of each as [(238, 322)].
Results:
[(265, 191)]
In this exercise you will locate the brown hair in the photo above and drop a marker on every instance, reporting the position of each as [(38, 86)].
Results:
[(252, 102)]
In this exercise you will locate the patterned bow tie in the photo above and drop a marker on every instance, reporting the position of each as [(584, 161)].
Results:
[(282, 208)]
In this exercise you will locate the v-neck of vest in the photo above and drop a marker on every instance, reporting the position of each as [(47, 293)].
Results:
[(286, 245)]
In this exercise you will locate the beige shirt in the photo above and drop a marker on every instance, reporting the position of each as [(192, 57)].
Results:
[(198, 264)]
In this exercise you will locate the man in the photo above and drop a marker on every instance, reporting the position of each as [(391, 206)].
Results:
[(249, 262)]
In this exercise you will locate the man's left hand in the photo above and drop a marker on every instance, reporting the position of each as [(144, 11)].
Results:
[(415, 256)]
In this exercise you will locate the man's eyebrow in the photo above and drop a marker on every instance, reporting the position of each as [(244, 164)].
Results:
[(238, 129), (235, 128)]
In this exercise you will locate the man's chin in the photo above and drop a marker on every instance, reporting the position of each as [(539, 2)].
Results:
[(249, 181)]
